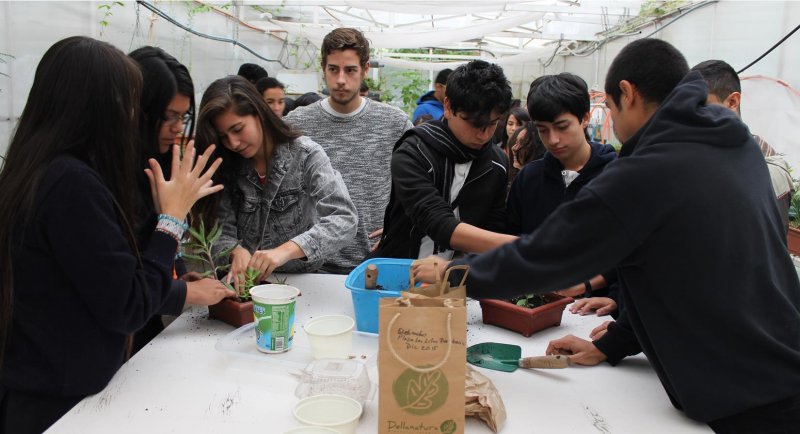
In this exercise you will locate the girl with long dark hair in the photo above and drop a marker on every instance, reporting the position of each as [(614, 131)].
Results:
[(284, 206), (73, 283), (166, 119)]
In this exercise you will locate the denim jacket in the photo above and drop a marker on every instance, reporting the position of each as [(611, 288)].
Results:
[(303, 200)]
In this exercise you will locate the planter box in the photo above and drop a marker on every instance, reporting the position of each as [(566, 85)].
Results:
[(793, 241), (232, 312), (522, 319)]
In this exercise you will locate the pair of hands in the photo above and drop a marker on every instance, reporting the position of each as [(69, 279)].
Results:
[(264, 261), (188, 182), (599, 305), (580, 351)]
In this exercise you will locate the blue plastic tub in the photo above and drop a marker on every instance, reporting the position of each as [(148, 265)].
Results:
[(392, 277)]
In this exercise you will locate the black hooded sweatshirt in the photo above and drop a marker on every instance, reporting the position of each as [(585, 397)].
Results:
[(688, 217), (420, 205)]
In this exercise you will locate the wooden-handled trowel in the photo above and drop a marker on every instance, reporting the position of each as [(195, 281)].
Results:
[(507, 358)]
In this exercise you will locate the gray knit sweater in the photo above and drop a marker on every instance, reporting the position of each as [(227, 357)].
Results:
[(360, 148)]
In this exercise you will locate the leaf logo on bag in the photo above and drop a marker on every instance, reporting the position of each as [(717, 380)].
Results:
[(420, 393)]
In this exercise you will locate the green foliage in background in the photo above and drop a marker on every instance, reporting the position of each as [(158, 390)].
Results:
[(409, 85), (106, 10), (379, 86), (794, 209), (650, 10)]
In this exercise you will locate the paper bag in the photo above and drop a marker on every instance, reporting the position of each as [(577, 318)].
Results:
[(421, 365), (442, 287), (483, 401)]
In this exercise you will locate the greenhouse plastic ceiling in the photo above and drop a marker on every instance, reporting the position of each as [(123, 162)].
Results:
[(509, 32)]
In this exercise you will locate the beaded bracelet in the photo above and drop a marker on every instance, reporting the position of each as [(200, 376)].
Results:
[(171, 226), (182, 224)]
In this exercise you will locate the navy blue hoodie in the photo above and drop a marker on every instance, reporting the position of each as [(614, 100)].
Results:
[(539, 188), (688, 217)]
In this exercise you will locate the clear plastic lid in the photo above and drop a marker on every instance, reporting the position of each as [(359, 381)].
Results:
[(335, 377)]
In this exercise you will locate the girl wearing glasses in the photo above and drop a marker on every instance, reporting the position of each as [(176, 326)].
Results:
[(167, 119)]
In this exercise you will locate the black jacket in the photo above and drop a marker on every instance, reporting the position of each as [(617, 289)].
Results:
[(421, 174), (688, 216), (539, 188), (79, 289)]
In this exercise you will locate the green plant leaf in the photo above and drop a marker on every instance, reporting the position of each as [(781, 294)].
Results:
[(193, 257), (197, 235), (227, 251), (216, 231)]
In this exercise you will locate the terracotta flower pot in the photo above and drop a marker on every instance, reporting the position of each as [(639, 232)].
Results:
[(233, 312), (522, 319), (793, 241)]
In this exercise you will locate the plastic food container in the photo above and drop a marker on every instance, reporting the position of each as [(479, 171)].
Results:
[(330, 336), (337, 412), (335, 377), (392, 278)]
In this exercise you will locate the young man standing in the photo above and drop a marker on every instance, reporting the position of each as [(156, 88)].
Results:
[(357, 133), (431, 103), (686, 216), (448, 181), (559, 108), (725, 88)]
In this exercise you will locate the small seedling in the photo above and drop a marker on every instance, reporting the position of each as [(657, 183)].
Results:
[(246, 282), (529, 300)]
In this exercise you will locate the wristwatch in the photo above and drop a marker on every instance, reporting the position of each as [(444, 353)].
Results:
[(588, 286)]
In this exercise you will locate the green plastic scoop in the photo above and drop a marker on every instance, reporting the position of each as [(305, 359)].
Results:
[(507, 358)]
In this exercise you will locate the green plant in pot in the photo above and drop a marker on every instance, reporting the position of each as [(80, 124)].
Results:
[(199, 249), (525, 314), (529, 300)]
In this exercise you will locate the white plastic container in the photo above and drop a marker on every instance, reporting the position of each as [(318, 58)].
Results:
[(273, 309), (337, 412), (311, 430), (330, 336), (335, 377)]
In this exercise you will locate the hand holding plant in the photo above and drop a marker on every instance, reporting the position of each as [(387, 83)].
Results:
[(199, 249), (206, 292)]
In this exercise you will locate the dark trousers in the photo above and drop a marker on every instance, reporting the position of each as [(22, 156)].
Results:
[(24, 413), (782, 417)]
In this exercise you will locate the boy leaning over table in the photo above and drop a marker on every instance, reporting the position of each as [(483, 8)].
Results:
[(687, 216)]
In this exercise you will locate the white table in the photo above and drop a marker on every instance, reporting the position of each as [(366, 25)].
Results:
[(179, 383)]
